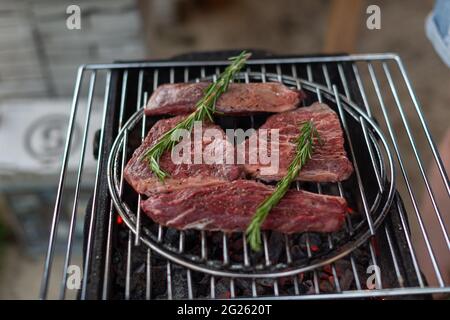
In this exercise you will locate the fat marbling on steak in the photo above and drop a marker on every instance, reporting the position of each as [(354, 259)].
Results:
[(229, 207), (328, 163), (138, 174), (240, 98)]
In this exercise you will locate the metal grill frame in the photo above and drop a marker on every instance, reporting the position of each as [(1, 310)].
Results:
[(385, 60)]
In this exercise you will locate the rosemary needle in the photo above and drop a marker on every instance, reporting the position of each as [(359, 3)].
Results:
[(304, 150), (204, 109)]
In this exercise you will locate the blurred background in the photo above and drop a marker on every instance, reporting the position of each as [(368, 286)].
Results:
[(39, 56)]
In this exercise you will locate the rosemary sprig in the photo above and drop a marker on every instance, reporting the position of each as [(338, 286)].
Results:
[(304, 150), (204, 109)]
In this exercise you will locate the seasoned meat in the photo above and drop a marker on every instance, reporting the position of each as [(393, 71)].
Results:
[(229, 206), (182, 175), (240, 98), (328, 163)]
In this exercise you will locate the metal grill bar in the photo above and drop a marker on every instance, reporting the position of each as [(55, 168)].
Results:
[(266, 249), (189, 283), (257, 62), (254, 292), (213, 287), (410, 246), (316, 278), (170, 69), (226, 258), (169, 281), (394, 257), (374, 263), (97, 177), (333, 268), (128, 268), (232, 289), (138, 106), (148, 278), (111, 212)]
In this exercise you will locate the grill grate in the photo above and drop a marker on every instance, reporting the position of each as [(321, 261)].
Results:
[(357, 232), (118, 265)]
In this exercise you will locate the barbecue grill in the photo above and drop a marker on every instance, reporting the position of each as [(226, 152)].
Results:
[(127, 256)]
